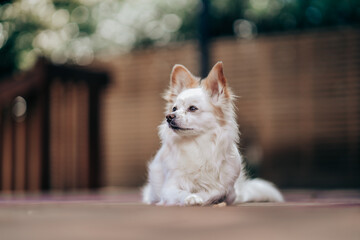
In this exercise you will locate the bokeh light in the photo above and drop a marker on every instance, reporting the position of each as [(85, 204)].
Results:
[(19, 108), (75, 31)]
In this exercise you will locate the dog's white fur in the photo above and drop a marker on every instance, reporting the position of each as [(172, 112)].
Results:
[(198, 162)]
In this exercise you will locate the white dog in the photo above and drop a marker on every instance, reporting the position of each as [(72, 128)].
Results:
[(198, 162)]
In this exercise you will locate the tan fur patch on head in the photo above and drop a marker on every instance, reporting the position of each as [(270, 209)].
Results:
[(169, 97), (215, 82), (180, 80), (219, 114)]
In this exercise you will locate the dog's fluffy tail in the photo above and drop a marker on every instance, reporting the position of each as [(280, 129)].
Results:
[(256, 190)]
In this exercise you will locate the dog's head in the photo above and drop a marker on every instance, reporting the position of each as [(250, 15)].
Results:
[(196, 106)]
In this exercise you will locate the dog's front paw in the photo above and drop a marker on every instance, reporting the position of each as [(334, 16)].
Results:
[(161, 203), (193, 199)]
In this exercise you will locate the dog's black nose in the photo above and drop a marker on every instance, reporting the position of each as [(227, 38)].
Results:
[(170, 117)]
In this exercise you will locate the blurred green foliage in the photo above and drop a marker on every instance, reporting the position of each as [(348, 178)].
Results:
[(76, 30), (73, 31), (282, 15)]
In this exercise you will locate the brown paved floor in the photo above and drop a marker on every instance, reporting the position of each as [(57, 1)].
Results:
[(119, 215)]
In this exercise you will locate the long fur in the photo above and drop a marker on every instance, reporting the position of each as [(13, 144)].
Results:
[(198, 162)]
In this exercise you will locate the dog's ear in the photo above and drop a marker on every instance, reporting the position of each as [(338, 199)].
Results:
[(215, 82), (181, 79)]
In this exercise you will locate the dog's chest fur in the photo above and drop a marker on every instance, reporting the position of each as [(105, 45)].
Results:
[(197, 163)]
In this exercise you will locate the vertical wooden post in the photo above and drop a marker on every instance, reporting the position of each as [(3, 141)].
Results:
[(204, 38), (19, 155), (34, 146), (83, 135), (1, 146), (7, 152), (94, 161), (45, 101)]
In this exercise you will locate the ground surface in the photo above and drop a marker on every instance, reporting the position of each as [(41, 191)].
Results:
[(120, 215)]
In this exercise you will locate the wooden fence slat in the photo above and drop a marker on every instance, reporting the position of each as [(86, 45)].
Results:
[(34, 133), (74, 148), (83, 148), (7, 153), (20, 155)]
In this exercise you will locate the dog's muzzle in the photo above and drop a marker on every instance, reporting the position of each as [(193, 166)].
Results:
[(170, 117)]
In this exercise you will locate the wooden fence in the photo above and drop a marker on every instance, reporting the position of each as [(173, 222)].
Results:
[(49, 129), (298, 105)]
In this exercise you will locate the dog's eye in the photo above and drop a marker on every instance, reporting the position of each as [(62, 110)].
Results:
[(174, 109), (192, 108)]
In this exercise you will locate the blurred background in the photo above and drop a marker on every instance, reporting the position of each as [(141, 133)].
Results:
[(81, 84)]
